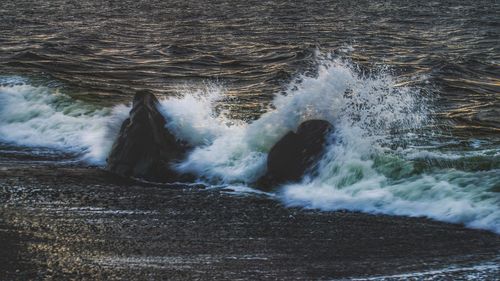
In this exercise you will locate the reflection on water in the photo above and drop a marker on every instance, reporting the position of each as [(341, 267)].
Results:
[(107, 50)]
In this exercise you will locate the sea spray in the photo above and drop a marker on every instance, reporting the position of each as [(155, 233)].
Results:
[(371, 167), (192, 116), (363, 107), (367, 169)]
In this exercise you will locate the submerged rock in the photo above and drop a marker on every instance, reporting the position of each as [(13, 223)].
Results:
[(296, 153), (144, 148)]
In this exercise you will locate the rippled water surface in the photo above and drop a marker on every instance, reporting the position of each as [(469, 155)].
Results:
[(412, 88), (108, 49)]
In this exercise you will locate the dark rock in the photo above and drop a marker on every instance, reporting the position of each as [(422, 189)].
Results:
[(144, 147), (296, 153)]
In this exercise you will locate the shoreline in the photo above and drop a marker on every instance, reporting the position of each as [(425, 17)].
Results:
[(81, 222)]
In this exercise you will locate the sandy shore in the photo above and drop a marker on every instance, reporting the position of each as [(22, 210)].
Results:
[(72, 222)]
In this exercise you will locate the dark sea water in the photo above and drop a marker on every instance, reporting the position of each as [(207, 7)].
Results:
[(412, 88)]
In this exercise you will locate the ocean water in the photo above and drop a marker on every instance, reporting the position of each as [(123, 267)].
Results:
[(412, 90)]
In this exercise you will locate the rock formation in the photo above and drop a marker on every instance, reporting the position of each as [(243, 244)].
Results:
[(296, 153), (144, 148)]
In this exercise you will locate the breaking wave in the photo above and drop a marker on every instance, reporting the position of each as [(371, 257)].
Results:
[(383, 157), (40, 116), (377, 163)]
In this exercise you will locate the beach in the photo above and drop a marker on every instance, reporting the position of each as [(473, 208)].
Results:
[(61, 223)]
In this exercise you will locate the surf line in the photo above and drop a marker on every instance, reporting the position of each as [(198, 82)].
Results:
[(146, 149)]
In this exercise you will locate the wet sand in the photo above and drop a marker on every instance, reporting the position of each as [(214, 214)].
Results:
[(71, 222)]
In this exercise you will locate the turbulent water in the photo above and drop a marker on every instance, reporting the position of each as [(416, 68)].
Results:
[(412, 90)]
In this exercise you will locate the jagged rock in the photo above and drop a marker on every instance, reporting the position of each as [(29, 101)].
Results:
[(144, 147), (295, 153)]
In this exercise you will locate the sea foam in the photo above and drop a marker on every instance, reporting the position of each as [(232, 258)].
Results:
[(44, 117)]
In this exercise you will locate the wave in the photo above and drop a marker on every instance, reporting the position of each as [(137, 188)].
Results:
[(377, 161), (372, 165), (40, 116), (361, 107)]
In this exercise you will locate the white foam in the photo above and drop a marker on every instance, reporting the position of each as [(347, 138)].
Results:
[(431, 152), (44, 117), (451, 196), (222, 151)]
